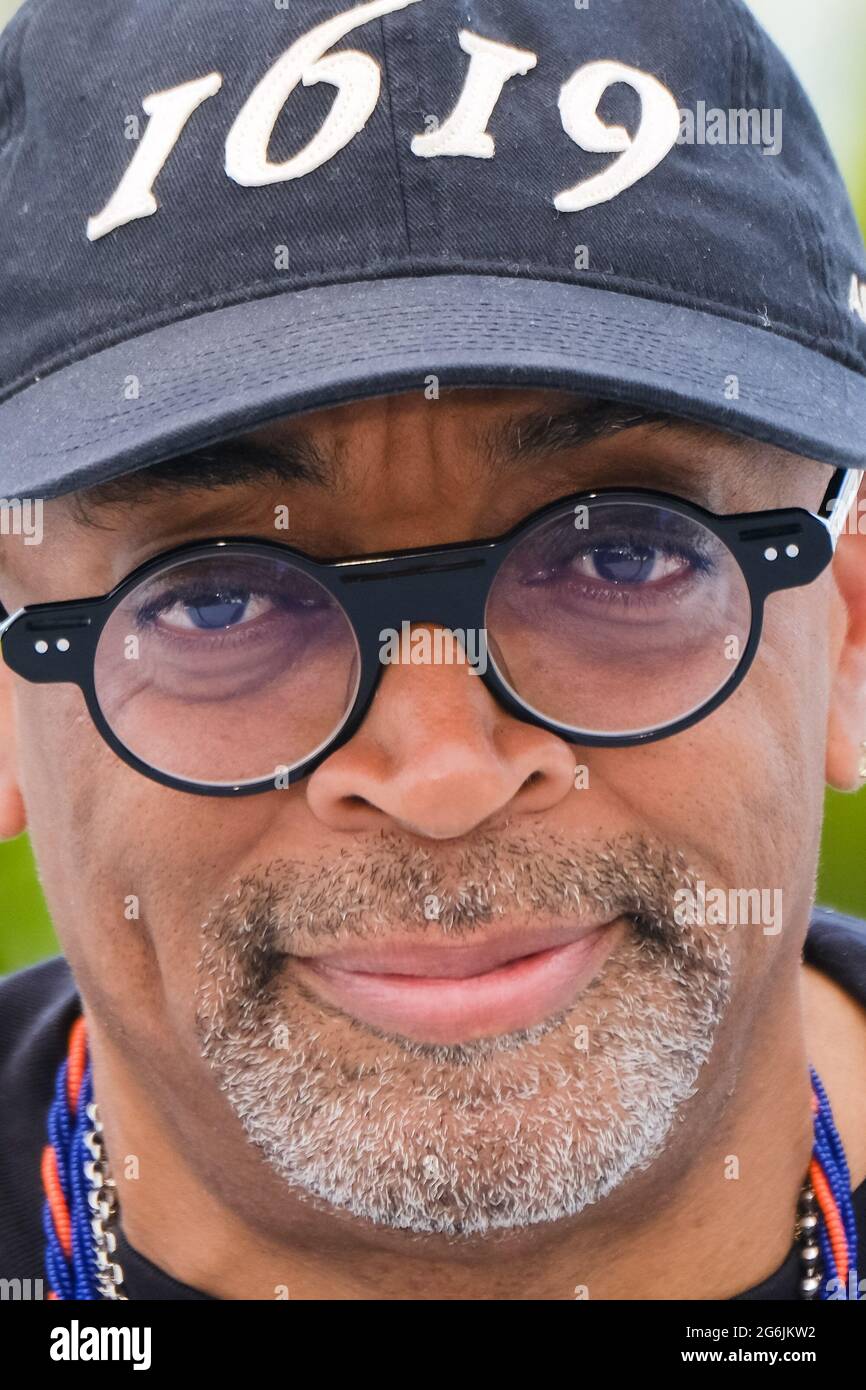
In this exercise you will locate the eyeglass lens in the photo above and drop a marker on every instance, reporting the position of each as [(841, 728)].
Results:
[(620, 619), (227, 669)]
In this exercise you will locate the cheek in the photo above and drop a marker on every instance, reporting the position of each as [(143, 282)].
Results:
[(129, 868), (741, 793), (789, 694), (81, 840), (61, 759)]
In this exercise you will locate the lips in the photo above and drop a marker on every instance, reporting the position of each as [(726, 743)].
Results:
[(455, 993)]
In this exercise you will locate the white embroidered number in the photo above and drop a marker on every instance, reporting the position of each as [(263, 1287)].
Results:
[(465, 132), (169, 112), (654, 139), (357, 79), (355, 75)]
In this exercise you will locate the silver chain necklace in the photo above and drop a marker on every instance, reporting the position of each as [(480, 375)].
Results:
[(102, 1198), (806, 1238)]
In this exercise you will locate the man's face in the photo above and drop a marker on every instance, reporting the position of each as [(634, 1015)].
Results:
[(324, 969)]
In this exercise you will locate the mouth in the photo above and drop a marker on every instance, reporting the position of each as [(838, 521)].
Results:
[(458, 993)]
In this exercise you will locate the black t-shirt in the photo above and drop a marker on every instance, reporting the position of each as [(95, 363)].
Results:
[(37, 1007)]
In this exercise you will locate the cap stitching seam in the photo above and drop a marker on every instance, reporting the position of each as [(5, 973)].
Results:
[(424, 169), (397, 165), (117, 427), (372, 272)]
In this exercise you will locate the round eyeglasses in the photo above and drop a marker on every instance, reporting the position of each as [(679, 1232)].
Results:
[(612, 618)]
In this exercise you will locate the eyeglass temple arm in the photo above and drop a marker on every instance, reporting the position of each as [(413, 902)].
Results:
[(840, 498)]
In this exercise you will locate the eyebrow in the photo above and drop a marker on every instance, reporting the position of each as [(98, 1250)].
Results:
[(514, 441), (519, 438), (228, 463)]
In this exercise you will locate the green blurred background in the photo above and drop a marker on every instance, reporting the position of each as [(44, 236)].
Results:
[(827, 43)]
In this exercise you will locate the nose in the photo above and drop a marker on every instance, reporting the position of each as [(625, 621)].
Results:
[(438, 756)]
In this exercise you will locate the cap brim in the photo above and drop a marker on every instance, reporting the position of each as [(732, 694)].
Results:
[(206, 378)]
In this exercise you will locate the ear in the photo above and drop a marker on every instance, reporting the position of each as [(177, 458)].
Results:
[(846, 731), (13, 818)]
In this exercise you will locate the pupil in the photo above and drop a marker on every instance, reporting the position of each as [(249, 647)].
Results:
[(624, 564), (220, 613)]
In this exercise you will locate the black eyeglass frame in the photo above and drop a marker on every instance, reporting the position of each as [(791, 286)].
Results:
[(447, 586)]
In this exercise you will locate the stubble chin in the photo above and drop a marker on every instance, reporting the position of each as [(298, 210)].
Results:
[(496, 1134)]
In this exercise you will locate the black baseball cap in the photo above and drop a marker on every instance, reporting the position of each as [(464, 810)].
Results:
[(214, 213)]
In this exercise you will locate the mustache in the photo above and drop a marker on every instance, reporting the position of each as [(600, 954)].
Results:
[(390, 888)]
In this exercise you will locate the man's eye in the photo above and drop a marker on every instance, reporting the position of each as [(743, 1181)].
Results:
[(629, 564), (617, 562), (213, 612)]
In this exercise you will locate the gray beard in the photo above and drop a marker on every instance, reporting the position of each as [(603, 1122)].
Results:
[(493, 1134)]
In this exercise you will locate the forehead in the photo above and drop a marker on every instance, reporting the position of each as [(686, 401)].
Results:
[(487, 431)]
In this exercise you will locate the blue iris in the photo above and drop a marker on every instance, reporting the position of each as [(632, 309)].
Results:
[(624, 564), (222, 612)]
